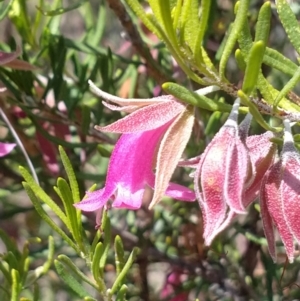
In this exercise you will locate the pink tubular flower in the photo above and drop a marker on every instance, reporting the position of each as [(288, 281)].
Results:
[(229, 173), (280, 198), (154, 137), (6, 148)]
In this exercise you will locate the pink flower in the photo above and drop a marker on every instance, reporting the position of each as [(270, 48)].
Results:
[(221, 175), (173, 282), (6, 148), (154, 137), (280, 198), (229, 173)]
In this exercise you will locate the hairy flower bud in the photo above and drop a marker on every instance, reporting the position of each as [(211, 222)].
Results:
[(280, 197)]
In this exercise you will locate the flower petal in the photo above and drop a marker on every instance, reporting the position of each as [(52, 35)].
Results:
[(129, 170), (126, 199), (146, 118), (96, 199), (212, 173), (6, 57), (271, 206), (235, 176), (139, 102), (6, 148), (170, 152), (180, 192), (262, 153), (290, 186)]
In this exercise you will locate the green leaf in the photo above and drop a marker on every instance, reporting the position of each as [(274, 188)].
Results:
[(147, 21), (40, 193), (121, 296), (20, 17), (60, 10), (195, 99), (69, 279), (16, 285), (239, 22), (162, 11), (289, 22), (36, 203), (255, 113), (97, 25), (94, 243), (240, 59), (66, 197), (106, 227), (262, 29), (4, 9), (119, 254), (71, 174), (96, 267), (253, 66), (86, 119), (125, 270), (288, 87), (190, 24), (69, 263), (205, 10), (9, 243)]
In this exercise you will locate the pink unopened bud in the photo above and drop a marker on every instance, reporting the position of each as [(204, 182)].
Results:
[(280, 197), (221, 175)]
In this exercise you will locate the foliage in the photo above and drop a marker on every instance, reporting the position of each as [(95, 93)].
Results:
[(249, 50)]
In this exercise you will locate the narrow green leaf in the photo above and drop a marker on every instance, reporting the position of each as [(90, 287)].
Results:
[(16, 285), (86, 119), (67, 199), (119, 254), (48, 263), (36, 203), (69, 263), (40, 193), (288, 87), (4, 9), (191, 24), (106, 227), (253, 66), (193, 98), (205, 10), (176, 14), (94, 243), (278, 61), (68, 278), (140, 12), (240, 59), (96, 266), (289, 22), (255, 113), (240, 20), (9, 243), (71, 174), (262, 29), (97, 25), (60, 10), (213, 124), (121, 296), (12, 261), (125, 270), (5, 272), (154, 26), (162, 12)]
